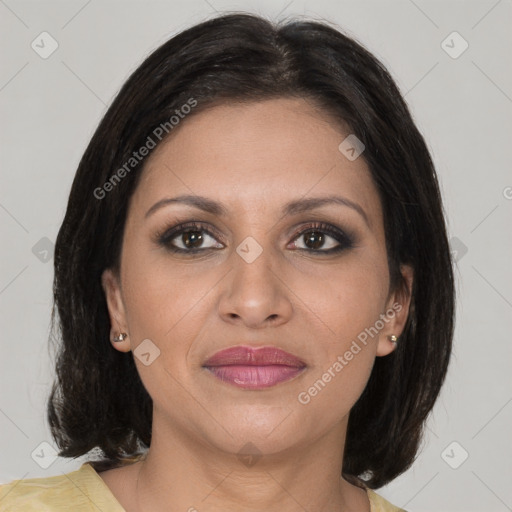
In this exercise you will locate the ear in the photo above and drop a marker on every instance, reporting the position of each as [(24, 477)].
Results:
[(110, 283), (397, 311)]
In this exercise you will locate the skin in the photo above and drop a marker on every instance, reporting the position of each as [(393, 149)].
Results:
[(252, 158)]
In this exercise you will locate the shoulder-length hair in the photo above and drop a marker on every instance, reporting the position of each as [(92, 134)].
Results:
[(98, 401)]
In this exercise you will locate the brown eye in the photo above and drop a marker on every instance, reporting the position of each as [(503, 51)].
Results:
[(322, 238), (192, 239), (189, 238), (314, 240)]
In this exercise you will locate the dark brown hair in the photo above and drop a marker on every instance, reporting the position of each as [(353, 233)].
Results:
[(98, 402)]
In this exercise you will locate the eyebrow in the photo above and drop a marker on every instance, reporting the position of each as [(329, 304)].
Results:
[(291, 208)]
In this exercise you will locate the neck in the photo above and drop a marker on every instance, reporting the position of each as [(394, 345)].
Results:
[(193, 475)]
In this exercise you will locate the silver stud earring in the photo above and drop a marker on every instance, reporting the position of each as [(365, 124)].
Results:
[(122, 336), (393, 339)]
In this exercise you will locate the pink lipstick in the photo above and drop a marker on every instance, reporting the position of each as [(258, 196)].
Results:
[(254, 368)]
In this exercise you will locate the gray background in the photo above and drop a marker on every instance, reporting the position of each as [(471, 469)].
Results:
[(50, 108)]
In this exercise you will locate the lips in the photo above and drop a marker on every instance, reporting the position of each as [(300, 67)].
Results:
[(254, 368), (249, 356)]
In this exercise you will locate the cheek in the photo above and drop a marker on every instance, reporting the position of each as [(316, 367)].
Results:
[(331, 392), (169, 304), (346, 298), (348, 306), (347, 301), (158, 292)]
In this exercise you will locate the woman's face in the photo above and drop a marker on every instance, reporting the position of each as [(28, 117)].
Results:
[(311, 279)]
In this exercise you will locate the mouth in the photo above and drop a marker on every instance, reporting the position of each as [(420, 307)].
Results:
[(254, 368)]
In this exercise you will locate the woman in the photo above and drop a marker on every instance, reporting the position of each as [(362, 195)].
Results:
[(253, 283)]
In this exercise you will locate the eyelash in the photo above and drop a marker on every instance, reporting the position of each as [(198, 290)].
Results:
[(345, 241)]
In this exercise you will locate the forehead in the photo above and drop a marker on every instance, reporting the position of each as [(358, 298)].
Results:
[(256, 155)]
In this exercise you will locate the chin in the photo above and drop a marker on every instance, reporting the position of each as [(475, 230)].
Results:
[(270, 428)]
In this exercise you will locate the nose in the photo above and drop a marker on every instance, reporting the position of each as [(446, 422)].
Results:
[(255, 293)]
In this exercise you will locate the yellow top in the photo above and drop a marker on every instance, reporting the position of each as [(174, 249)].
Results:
[(84, 490)]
